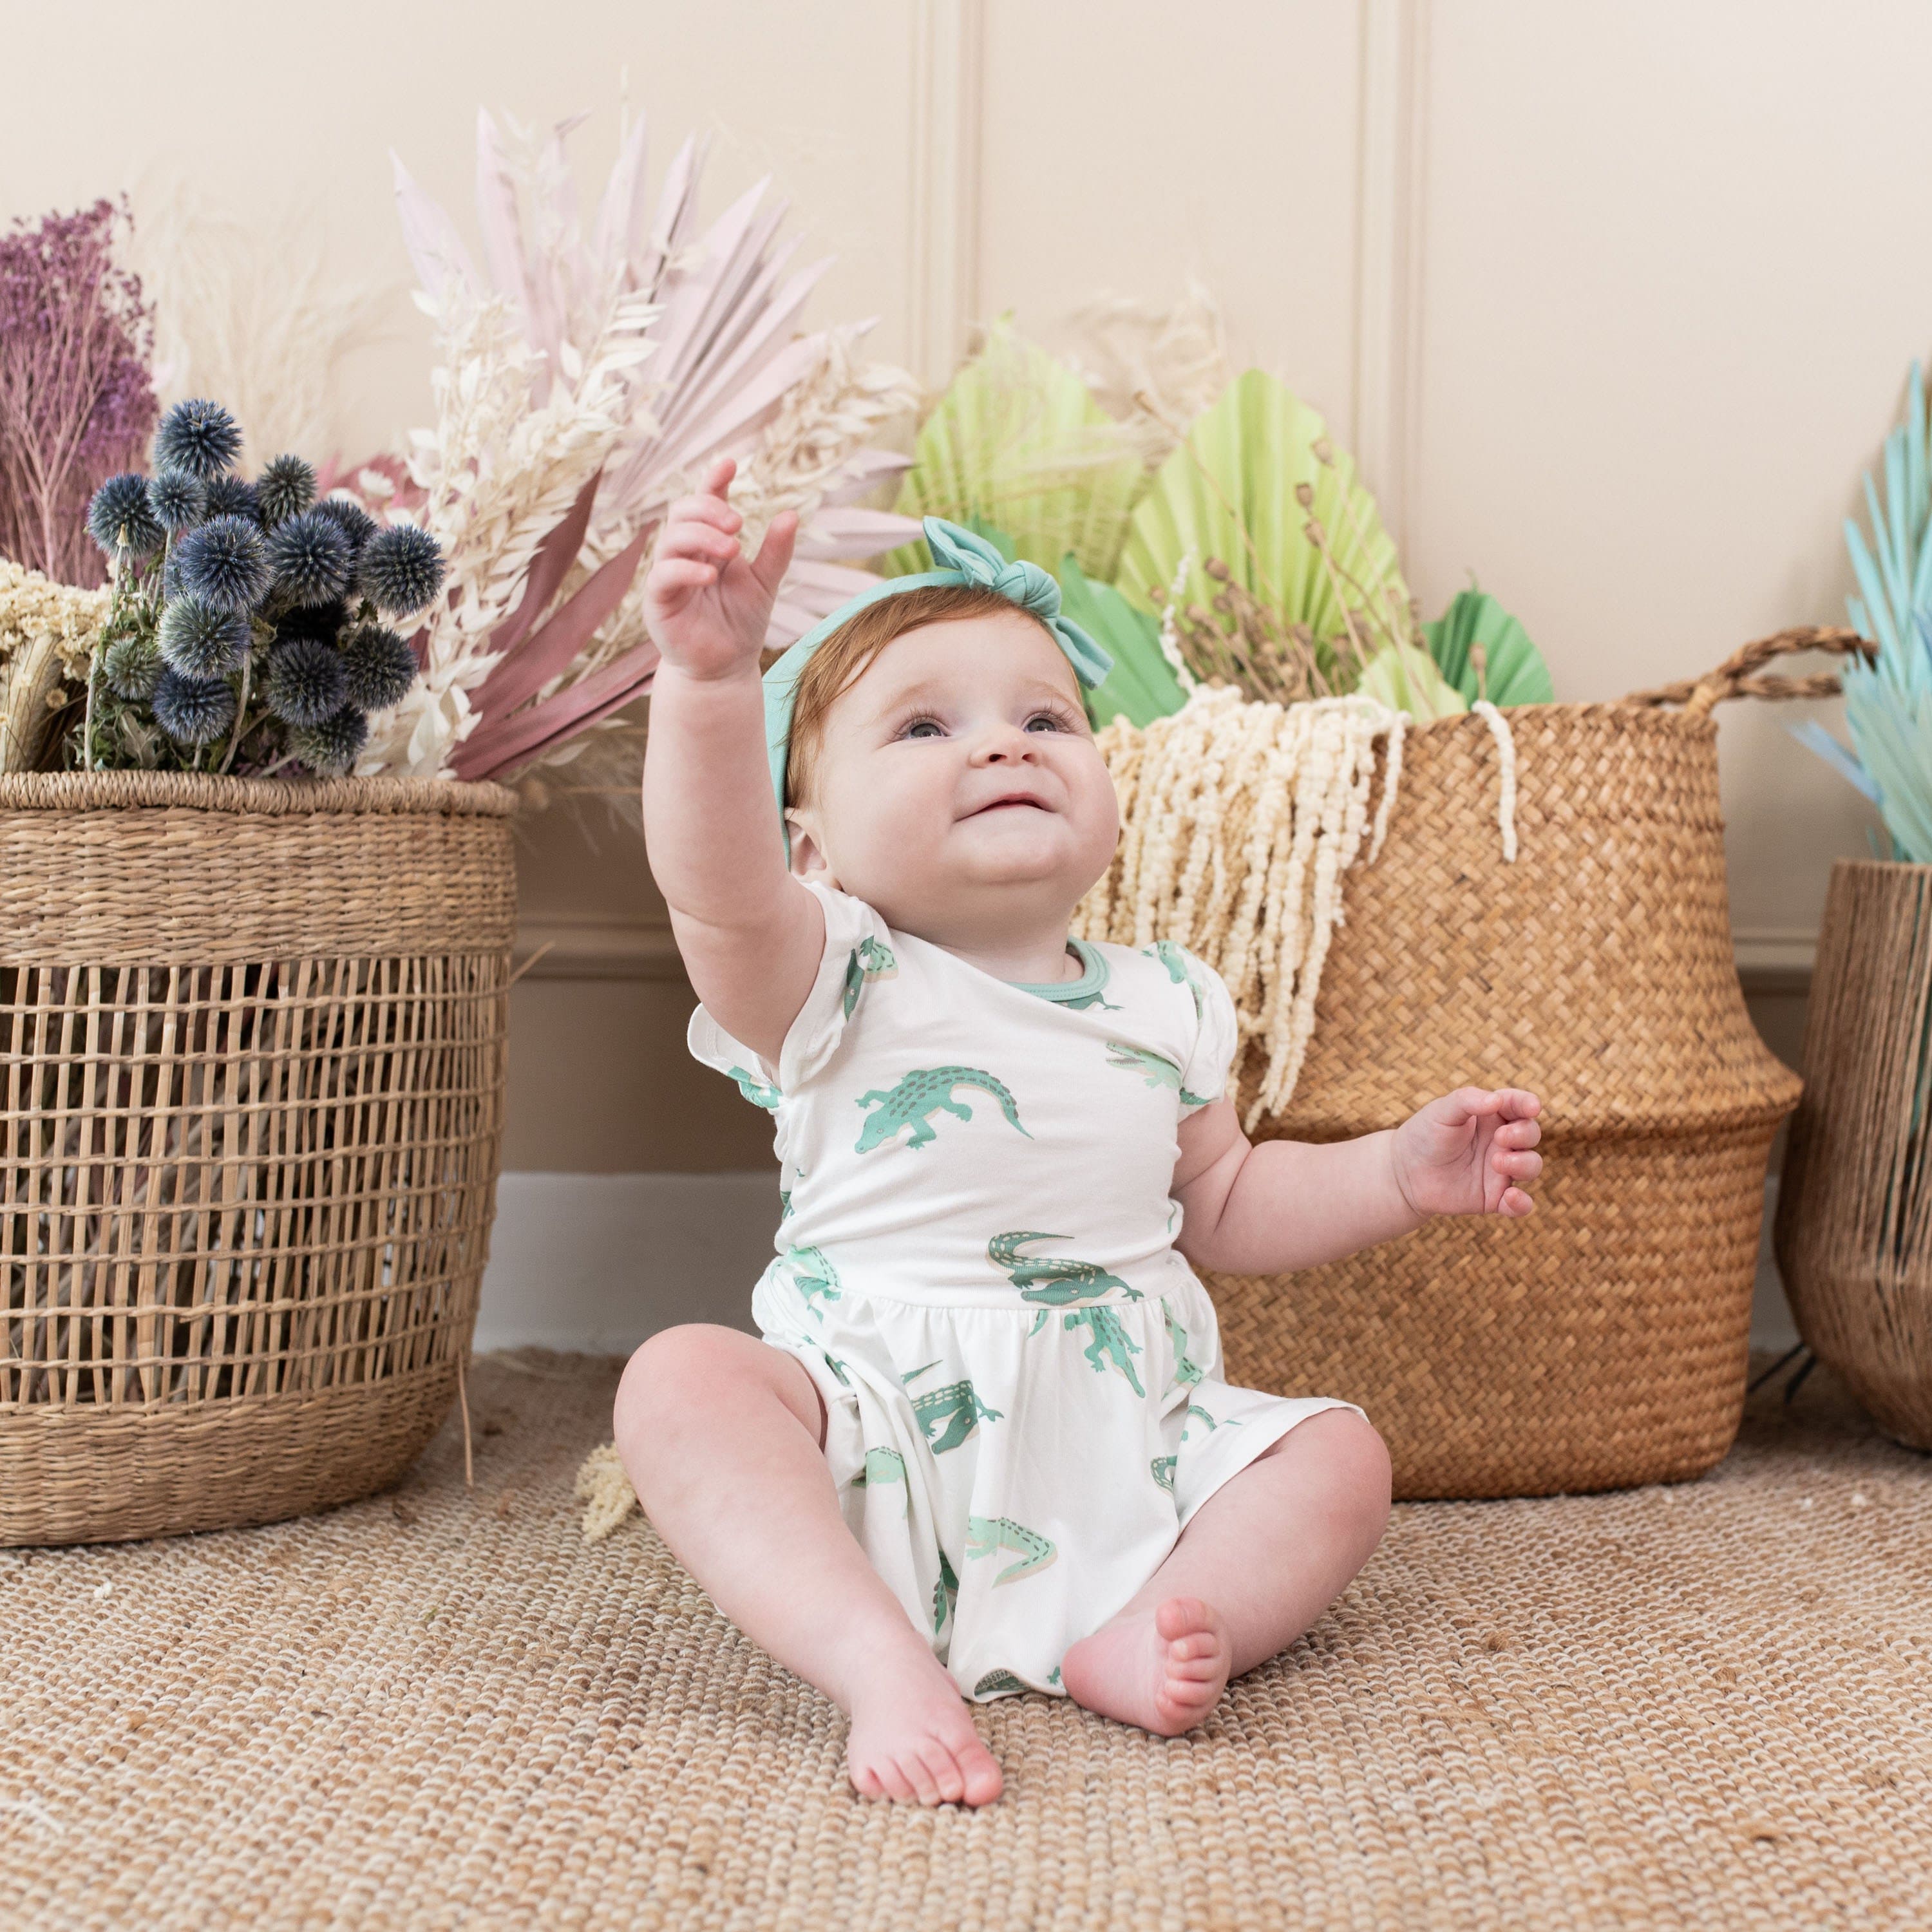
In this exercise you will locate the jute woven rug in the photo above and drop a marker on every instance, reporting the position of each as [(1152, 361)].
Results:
[(1704, 1706)]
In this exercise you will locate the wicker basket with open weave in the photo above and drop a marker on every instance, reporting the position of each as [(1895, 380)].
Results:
[(1600, 1341), (252, 1062)]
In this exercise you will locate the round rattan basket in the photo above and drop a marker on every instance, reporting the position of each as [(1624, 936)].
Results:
[(252, 1061), (1854, 1226), (1600, 1341)]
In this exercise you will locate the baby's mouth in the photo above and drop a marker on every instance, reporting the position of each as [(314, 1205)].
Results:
[(1013, 799)]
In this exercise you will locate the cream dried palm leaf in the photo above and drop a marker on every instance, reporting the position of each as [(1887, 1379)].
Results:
[(1152, 368), (496, 475)]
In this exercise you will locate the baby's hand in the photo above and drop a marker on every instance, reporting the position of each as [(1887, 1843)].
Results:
[(1464, 1154), (705, 603)]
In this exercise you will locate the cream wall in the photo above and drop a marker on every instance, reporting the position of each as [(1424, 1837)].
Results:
[(1613, 304)]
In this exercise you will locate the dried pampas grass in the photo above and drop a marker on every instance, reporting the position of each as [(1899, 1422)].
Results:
[(247, 312), (1237, 822), (1153, 369), (47, 635)]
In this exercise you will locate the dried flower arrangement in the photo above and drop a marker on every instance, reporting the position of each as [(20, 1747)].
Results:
[(1888, 696), (245, 631), (1205, 528), (583, 381), (76, 398), (48, 630)]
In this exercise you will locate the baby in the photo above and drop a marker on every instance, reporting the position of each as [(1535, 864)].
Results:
[(983, 1446)]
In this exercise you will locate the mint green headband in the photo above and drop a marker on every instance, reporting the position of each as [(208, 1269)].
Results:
[(963, 558)]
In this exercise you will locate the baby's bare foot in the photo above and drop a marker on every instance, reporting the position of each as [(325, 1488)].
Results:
[(911, 1737), (1163, 1669)]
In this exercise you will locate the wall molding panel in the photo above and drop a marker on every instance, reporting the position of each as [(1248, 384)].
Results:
[(1389, 205), (943, 206)]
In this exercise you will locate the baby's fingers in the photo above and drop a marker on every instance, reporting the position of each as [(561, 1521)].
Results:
[(697, 540)]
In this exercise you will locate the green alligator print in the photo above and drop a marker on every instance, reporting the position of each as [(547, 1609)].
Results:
[(837, 1367), (987, 1536), (996, 1684), (1111, 1342), (1195, 1408), (1163, 1467), (869, 961), (1170, 956), (925, 1091), (955, 1410), (767, 1097), (945, 1594), (813, 1276), (1052, 1279), (1184, 1371), (882, 1465), (1053, 1675), (1158, 1069), (784, 1204)]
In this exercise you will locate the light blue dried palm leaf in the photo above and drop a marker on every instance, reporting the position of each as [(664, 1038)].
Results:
[(1893, 737), (1844, 762)]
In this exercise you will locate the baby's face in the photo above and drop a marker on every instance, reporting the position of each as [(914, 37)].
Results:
[(958, 788)]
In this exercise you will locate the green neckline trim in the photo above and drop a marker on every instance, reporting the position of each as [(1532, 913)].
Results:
[(1093, 980)]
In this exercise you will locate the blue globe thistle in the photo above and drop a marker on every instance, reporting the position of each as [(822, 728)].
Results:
[(225, 563), (119, 514), (230, 497), (284, 490), (358, 525), (131, 666), (313, 620), (399, 569), (199, 436), (200, 641), (310, 556), (178, 500), (192, 710), (330, 747), (379, 668), (305, 683)]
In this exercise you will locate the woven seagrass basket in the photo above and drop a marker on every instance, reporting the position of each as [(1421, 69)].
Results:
[(252, 1061), (1854, 1227), (1600, 1341)]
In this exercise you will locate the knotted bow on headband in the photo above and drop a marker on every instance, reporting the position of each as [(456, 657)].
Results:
[(962, 557)]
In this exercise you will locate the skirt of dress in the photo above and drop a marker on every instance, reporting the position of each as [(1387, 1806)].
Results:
[(1016, 1475)]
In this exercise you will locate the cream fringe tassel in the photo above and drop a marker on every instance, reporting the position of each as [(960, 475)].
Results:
[(1237, 821)]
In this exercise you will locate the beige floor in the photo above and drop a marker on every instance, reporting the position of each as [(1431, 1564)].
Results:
[(1709, 1706)]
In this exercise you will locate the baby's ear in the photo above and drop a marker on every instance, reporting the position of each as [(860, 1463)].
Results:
[(806, 859)]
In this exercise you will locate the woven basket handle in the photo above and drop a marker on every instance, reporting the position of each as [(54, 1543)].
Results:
[(1736, 677)]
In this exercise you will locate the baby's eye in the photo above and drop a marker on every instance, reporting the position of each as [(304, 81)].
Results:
[(921, 727), (1053, 718)]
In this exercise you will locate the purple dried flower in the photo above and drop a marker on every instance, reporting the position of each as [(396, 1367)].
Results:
[(200, 641), (378, 666), (131, 665), (358, 525), (119, 518), (284, 490), (224, 563), (310, 556), (233, 497), (304, 682), (178, 500), (197, 435), (330, 747), (324, 621), (76, 401), (399, 569), (192, 710)]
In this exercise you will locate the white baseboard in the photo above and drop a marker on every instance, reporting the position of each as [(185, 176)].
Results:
[(593, 1263)]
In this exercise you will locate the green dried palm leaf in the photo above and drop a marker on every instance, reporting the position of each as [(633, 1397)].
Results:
[(1142, 686), (1513, 671), (1229, 491), (1018, 441)]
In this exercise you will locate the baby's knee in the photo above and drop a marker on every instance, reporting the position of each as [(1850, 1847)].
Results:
[(1356, 1476), (664, 1377)]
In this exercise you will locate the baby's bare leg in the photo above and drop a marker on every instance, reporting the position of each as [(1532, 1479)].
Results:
[(1259, 1561), (722, 1435)]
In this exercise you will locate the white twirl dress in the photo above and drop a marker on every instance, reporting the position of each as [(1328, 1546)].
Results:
[(976, 1264)]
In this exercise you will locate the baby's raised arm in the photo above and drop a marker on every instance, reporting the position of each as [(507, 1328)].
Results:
[(750, 934)]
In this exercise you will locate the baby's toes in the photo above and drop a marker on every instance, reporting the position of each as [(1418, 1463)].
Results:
[(948, 1781)]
